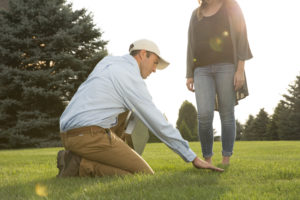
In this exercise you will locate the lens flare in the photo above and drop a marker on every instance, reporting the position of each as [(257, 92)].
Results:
[(41, 190), (216, 44), (225, 33)]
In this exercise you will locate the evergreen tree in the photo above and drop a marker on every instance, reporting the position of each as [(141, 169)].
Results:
[(185, 131), (282, 122), (288, 111), (248, 132), (46, 51), (188, 114), (260, 125), (272, 129), (239, 130)]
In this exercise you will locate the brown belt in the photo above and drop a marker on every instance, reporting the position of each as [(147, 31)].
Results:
[(86, 130)]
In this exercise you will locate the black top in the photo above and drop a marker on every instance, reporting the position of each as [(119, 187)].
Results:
[(213, 40)]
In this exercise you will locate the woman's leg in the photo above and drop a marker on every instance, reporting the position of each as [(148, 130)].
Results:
[(205, 97), (226, 99)]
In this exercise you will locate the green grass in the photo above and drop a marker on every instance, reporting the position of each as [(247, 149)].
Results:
[(258, 170)]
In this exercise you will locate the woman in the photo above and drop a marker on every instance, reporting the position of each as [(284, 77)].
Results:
[(216, 54)]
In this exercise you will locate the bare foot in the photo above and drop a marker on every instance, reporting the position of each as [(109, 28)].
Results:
[(201, 164), (209, 160), (226, 160)]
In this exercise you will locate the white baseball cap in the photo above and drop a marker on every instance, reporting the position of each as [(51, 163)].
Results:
[(150, 46)]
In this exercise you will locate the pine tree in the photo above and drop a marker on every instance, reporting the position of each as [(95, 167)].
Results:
[(272, 129), (185, 131), (46, 51), (248, 132), (288, 121), (260, 125), (239, 130), (188, 114)]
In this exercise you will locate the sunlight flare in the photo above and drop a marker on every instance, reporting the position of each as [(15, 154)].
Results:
[(216, 44), (41, 190), (225, 33)]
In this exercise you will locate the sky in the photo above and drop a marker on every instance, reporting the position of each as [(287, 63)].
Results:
[(273, 34)]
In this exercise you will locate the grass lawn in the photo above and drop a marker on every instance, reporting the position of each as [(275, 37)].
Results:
[(258, 170)]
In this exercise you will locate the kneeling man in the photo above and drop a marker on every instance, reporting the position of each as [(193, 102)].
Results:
[(116, 85)]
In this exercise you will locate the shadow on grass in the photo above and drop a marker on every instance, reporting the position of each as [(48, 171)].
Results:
[(187, 184), (225, 167)]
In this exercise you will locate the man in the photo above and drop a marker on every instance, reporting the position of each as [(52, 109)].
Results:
[(115, 86)]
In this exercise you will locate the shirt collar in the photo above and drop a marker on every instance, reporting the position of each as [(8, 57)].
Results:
[(132, 61)]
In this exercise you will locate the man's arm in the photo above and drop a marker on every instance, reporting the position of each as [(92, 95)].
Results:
[(136, 98)]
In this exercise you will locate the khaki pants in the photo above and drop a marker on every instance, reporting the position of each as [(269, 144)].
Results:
[(103, 152)]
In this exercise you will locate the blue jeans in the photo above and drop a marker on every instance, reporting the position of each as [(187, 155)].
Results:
[(209, 81)]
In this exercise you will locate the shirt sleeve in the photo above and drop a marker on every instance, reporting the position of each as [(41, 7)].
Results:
[(132, 88), (242, 45), (190, 58)]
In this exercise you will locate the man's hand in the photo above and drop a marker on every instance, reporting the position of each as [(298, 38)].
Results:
[(190, 84), (201, 164)]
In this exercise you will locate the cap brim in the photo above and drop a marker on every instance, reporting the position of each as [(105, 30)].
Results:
[(162, 64)]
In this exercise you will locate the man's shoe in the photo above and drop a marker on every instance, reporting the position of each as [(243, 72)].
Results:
[(68, 164), (60, 162)]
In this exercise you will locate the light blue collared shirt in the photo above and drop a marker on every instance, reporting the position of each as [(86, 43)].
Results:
[(114, 86)]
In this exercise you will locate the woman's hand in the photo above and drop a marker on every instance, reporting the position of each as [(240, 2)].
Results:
[(239, 76), (239, 80), (190, 84)]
